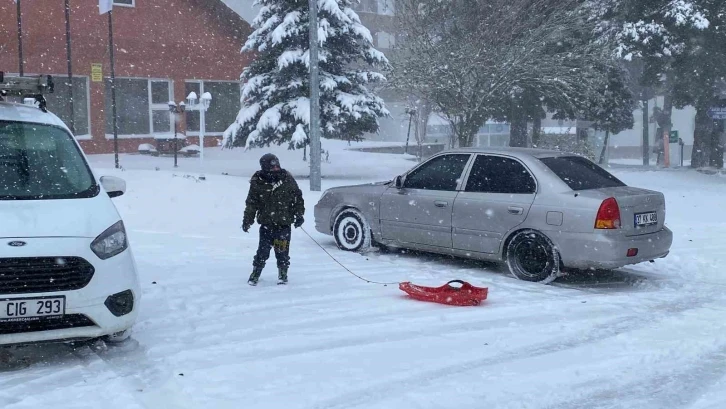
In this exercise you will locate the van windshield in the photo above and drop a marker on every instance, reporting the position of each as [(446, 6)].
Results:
[(41, 162)]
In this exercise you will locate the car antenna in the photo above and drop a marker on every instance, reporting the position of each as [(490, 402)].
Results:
[(34, 87)]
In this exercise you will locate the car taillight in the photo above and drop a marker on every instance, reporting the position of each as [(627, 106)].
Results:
[(608, 216)]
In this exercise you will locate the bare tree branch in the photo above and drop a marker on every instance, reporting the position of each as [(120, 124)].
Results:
[(469, 56)]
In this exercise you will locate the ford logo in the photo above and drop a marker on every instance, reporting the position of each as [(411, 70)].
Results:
[(17, 243)]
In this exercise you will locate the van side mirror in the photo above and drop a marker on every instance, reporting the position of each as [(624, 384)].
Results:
[(114, 186), (398, 182)]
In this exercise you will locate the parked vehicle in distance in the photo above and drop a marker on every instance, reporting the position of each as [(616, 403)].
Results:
[(66, 270), (536, 210)]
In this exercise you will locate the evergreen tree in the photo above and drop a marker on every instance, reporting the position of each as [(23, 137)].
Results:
[(699, 80), (649, 29), (680, 48), (598, 92), (276, 90), (611, 108)]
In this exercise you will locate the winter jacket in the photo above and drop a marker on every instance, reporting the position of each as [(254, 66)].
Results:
[(273, 202)]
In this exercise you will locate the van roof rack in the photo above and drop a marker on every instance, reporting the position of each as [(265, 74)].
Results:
[(27, 87)]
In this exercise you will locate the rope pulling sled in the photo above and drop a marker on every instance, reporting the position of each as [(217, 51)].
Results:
[(466, 295)]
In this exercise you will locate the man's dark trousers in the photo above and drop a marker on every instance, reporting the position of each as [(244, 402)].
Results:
[(277, 237)]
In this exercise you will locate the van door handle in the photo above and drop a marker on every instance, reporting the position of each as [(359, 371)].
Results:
[(441, 203), (515, 210)]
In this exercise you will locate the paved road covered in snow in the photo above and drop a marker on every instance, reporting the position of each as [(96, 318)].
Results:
[(651, 336)]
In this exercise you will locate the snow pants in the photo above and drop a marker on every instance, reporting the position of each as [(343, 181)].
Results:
[(277, 237)]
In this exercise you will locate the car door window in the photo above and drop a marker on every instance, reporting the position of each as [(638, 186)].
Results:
[(496, 174), (440, 173)]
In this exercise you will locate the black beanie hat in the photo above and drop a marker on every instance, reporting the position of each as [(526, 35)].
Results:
[(268, 161)]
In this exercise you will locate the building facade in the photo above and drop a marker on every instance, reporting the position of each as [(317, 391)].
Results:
[(164, 49), (379, 17)]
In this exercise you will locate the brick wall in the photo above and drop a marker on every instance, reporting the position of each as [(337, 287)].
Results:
[(167, 39)]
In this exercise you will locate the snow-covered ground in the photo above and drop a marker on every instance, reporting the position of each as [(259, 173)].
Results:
[(343, 161), (651, 336), (639, 162)]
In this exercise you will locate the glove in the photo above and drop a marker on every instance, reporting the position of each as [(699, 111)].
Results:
[(299, 220), (246, 227)]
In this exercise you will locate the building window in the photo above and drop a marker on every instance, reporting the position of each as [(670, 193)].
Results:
[(141, 106), (386, 7), (366, 6), (58, 103), (494, 134), (224, 109), (385, 40), (160, 96), (127, 3)]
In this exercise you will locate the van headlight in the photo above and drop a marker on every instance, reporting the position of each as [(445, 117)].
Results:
[(111, 242)]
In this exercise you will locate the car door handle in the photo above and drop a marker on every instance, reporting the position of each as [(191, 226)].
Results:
[(441, 203), (515, 210)]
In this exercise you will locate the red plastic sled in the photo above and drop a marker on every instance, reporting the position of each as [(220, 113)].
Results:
[(466, 295)]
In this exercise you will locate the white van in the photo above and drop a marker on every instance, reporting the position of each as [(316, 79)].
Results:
[(66, 270)]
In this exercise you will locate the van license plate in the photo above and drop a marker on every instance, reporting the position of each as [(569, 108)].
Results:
[(646, 219), (31, 309)]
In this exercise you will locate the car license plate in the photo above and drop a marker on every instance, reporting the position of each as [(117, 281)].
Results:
[(646, 219), (31, 309)]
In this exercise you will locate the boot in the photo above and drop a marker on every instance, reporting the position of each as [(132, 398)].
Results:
[(282, 276), (255, 276)]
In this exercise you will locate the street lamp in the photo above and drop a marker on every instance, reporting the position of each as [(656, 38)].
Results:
[(194, 104), (176, 111), (411, 112)]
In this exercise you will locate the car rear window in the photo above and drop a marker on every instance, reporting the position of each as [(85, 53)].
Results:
[(581, 174)]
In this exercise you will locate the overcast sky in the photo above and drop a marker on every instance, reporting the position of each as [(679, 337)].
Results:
[(244, 8)]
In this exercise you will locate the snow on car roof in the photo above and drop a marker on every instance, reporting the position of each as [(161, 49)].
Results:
[(533, 152), (26, 113)]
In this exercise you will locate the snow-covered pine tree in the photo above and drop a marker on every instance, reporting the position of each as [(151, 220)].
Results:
[(679, 45), (648, 28), (276, 90)]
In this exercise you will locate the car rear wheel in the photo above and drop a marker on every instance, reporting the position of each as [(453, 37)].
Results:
[(351, 231), (531, 256)]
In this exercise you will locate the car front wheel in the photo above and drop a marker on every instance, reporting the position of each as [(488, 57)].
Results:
[(531, 256), (351, 231)]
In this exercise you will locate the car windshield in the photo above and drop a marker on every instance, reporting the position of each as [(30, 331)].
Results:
[(41, 162), (580, 173)]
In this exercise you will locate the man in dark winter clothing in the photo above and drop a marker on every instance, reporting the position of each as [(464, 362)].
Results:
[(277, 202)]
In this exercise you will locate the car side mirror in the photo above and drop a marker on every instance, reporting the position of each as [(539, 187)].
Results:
[(398, 183), (114, 186)]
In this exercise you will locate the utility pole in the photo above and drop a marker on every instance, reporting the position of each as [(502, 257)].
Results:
[(411, 112), (646, 138), (70, 68), (315, 173), (20, 40), (113, 87)]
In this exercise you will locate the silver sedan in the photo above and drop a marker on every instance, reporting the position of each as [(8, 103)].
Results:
[(538, 211)]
